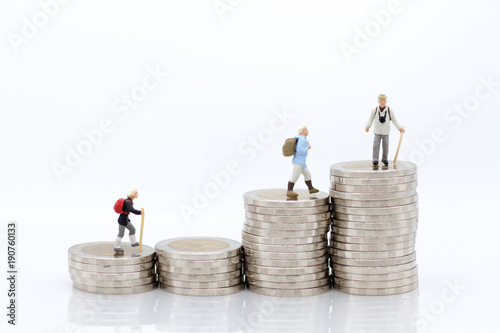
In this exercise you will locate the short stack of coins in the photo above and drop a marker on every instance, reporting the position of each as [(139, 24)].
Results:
[(96, 268), (200, 266), (375, 217), (285, 242)]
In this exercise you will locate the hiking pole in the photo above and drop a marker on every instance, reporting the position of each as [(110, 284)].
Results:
[(142, 229), (399, 146)]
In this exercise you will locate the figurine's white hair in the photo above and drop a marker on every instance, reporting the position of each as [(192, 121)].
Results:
[(131, 193), (301, 128)]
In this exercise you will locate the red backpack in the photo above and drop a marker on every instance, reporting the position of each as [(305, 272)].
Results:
[(119, 206)]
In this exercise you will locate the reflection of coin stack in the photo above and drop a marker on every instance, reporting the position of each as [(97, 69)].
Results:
[(96, 268), (179, 313), (374, 228), (200, 266), (285, 243)]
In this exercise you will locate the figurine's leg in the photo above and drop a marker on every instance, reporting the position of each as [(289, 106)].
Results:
[(385, 149), (118, 240), (376, 148), (295, 176), (307, 179), (131, 234)]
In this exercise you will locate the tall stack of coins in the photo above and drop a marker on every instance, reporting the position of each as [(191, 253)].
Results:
[(200, 266), (285, 242), (375, 215), (96, 268)]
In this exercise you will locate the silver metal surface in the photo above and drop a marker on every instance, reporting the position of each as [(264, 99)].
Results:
[(413, 222), (203, 292), (201, 285), (376, 203), (377, 277), (373, 270), (88, 276), (288, 210), (285, 256), (231, 261), (377, 292), (375, 188), (290, 292), (321, 217), (376, 218), (374, 233), (372, 240), (285, 271), (198, 248), (372, 247), (291, 285), (285, 263), (283, 226), (202, 277), (371, 196), (102, 253), (250, 276), (110, 269), (284, 233), (116, 291), (372, 255), (365, 169), (387, 210), (278, 198), (282, 241), (193, 270), (285, 248), (116, 284), (373, 181), (374, 262), (375, 284)]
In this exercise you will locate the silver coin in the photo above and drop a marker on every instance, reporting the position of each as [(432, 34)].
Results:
[(373, 240), (285, 263), (376, 218), (374, 233), (287, 210), (373, 181), (195, 270), (375, 284), (291, 285), (117, 290), (413, 222), (75, 273), (290, 292), (375, 188), (282, 241), (377, 292), (231, 261), (198, 248), (278, 198), (372, 255), (250, 276), (284, 233), (284, 256), (372, 247), (377, 277), (285, 248), (320, 217), (201, 285), (278, 226), (374, 262), (102, 253), (110, 269), (375, 211), (116, 284), (371, 196), (252, 268), (365, 169), (374, 203), (373, 270), (202, 277), (203, 292)]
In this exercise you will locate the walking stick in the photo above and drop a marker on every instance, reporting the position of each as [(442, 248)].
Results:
[(399, 146), (142, 229)]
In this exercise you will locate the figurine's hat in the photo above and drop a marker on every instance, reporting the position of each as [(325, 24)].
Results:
[(382, 96)]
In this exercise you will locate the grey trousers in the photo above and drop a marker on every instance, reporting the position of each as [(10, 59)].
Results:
[(121, 229), (297, 170), (376, 146)]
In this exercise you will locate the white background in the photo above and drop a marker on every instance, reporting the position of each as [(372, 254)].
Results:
[(228, 74)]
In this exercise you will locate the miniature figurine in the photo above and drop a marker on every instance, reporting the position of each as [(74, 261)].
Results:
[(382, 128), (124, 207), (302, 146)]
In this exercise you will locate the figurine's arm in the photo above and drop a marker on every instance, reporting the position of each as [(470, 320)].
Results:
[(302, 146), (130, 207), (370, 121), (395, 122)]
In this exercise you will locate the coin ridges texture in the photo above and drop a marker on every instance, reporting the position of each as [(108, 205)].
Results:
[(200, 266), (285, 242), (374, 227)]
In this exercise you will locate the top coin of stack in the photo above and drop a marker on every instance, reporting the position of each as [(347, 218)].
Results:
[(375, 215), (200, 266), (96, 268), (285, 242)]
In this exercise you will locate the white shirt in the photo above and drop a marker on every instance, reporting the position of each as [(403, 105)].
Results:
[(382, 128)]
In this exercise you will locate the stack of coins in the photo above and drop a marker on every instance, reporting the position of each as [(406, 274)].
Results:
[(200, 266), (96, 268), (375, 215), (285, 243)]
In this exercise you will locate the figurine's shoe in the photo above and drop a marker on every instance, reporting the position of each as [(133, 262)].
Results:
[(118, 250), (313, 190), (135, 244), (386, 162), (375, 163), (292, 194)]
